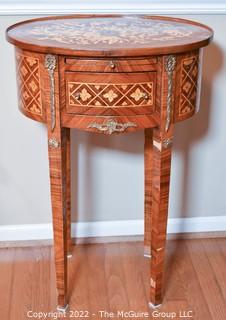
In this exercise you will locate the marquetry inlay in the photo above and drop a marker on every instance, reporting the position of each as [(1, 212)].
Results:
[(29, 89), (110, 32), (188, 87), (110, 95), (110, 74)]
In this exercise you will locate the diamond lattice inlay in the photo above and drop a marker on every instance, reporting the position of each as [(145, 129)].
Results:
[(28, 79), (189, 79), (110, 95)]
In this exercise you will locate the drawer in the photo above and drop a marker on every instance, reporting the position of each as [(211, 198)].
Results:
[(111, 65), (110, 94), (109, 125)]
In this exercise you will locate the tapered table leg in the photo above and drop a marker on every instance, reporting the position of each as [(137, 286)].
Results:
[(57, 146), (68, 194), (147, 191), (57, 166), (160, 195)]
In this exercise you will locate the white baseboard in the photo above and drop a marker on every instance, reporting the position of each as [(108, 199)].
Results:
[(111, 228)]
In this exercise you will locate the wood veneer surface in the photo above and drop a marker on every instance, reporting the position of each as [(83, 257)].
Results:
[(109, 35), (146, 85)]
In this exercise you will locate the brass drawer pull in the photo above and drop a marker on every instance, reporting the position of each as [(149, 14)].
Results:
[(112, 65), (138, 94), (77, 96), (111, 126)]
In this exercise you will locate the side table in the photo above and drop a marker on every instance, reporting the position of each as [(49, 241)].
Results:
[(110, 74)]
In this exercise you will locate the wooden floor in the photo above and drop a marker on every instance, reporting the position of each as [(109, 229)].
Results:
[(114, 277)]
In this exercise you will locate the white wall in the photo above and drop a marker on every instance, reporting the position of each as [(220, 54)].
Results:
[(107, 177)]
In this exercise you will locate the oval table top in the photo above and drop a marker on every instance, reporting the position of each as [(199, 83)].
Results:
[(109, 35)]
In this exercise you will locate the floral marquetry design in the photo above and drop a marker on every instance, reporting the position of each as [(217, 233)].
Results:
[(138, 94), (109, 32), (110, 95), (28, 79), (189, 80), (85, 95)]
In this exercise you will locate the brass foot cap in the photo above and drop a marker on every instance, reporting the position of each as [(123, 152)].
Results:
[(154, 306), (62, 309)]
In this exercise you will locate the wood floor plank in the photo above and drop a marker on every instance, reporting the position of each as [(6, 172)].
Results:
[(78, 279), (30, 288), (133, 276), (116, 277), (117, 294), (6, 280), (96, 259), (189, 288), (207, 279), (217, 260), (173, 287)]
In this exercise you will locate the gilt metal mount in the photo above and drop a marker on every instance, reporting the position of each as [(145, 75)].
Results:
[(169, 67), (50, 65), (111, 126)]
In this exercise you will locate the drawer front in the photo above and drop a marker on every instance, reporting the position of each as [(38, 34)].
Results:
[(110, 65), (109, 125), (111, 94)]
